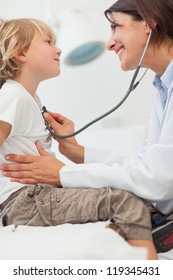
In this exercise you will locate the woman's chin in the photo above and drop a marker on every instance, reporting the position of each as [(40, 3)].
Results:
[(124, 67), (127, 67)]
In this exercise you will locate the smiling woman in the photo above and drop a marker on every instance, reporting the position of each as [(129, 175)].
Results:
[(126, 29)]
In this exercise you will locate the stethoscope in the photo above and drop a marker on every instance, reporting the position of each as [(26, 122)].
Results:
[(132, 86)]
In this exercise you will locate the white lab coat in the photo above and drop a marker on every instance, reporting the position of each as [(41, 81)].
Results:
[(149, 174)]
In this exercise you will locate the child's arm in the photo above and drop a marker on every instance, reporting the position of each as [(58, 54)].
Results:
[(5, 129)]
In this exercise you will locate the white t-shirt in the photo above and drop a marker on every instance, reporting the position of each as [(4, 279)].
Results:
[(20, 109)]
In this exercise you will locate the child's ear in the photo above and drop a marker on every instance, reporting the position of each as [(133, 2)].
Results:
[(20, 56)]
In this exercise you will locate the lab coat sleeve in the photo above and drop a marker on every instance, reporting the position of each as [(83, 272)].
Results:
[(129, 174), (108, 157), (133, 175)]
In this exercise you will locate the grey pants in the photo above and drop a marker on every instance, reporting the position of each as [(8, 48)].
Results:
[(45, 205)]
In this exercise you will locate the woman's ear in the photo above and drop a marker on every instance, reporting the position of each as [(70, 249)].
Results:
[(147, 27)]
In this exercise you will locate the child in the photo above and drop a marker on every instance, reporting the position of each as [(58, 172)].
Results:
[(28, 55)]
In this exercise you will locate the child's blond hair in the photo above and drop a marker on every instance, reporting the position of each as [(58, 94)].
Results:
[(16, 35)]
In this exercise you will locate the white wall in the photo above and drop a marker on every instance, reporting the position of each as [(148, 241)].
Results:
[(84, 92)]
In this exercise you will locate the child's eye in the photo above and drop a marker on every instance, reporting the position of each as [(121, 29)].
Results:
[(51, 41)]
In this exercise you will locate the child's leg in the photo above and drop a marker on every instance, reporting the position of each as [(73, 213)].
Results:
[(45, 205), (48, 205)]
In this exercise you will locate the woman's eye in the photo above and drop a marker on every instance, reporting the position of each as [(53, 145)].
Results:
[(114, 26)]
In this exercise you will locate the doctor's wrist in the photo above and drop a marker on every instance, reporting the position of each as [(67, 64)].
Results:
[(73, 151)]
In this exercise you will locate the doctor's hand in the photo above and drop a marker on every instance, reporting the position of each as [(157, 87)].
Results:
[(33, 169), (69, 147)]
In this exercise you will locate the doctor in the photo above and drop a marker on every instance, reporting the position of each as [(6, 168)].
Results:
[(148, 174)]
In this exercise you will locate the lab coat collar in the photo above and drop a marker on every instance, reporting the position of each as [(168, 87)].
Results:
[(163, 85), (164, 82)]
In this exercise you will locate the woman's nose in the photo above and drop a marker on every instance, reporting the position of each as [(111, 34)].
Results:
[(111, 43)]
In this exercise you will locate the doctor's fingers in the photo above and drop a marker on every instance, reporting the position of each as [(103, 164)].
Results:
[(20, 158), (30, 177), (21, 177), (55, 118), (25, 176), (16, 167)]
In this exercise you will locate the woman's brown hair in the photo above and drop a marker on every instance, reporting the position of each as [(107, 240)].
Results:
[(157, 13)]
